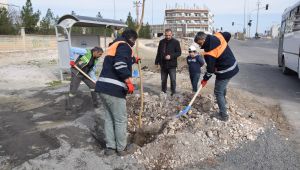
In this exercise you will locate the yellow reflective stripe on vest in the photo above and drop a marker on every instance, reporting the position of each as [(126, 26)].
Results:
[(217, 52), (112, 49), (85, 59)]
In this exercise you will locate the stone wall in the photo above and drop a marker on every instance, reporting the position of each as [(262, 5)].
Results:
[(17, 43), (13, 43)]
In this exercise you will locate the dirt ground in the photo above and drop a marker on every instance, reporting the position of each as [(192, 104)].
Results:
[(36, 133)]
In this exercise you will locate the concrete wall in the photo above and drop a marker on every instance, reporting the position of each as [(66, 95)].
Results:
[(15, 43), (12, 43)]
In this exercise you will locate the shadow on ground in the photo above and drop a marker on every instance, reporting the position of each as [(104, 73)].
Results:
[(27, 134)]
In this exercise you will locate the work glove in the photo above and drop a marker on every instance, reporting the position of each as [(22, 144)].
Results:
[(137, 59), (130, 86), (207, 76), (203, 83), (72, 63)]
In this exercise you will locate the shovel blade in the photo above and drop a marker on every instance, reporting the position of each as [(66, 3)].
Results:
[(183, 112)]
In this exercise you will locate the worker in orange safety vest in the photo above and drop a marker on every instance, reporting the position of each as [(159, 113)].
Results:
[(221, 62), (114, 83)]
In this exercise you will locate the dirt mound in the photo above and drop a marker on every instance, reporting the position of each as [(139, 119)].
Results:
[(170, 143)]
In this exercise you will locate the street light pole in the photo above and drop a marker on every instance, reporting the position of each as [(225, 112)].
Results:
[(256, 34)]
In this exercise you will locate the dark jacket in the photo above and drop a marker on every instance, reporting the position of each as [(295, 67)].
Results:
[(195, 64), (165, 47), (225, 66), (116, 69)]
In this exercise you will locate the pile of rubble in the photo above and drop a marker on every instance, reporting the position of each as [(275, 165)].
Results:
[(169, 142)]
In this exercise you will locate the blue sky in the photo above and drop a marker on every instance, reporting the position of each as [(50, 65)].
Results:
[(225, 11)]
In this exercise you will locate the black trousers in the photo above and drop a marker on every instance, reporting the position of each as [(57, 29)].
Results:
[(164, 79), (75, 82)]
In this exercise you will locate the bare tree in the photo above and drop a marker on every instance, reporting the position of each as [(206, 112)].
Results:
[(139, 25)]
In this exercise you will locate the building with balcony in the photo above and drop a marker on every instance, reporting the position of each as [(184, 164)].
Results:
[(186, 22)]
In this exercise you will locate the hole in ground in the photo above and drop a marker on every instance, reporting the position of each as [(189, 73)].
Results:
[(148, 134)]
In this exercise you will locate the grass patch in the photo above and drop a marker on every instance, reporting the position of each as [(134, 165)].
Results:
[(54, 83)]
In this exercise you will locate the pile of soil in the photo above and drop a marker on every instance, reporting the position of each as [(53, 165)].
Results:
[(169, 142)]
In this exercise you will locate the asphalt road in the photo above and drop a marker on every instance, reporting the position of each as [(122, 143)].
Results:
[(260, 74)]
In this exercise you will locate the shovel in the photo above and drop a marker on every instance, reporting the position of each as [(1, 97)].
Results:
[(188, 108), (158, 126), (85, 75)]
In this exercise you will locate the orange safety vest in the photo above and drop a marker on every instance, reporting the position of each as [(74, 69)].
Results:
[(112, 49), (217, 52)]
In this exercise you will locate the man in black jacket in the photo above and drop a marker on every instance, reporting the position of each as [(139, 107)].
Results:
[(167, 53), (221, 62), (114, 83)]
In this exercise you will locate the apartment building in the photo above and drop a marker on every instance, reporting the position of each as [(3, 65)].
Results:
[(186, 22)]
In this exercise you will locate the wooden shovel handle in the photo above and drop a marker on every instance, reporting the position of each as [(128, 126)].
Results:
[(195, 96), (85, 75)]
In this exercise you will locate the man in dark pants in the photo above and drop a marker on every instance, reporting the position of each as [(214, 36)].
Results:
[(221, 62), (167, 53), (86, 63)]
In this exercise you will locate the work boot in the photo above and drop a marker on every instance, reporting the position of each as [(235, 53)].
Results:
[(94, 99), (173, 93), (224, 117), (130, 149), (68, 102), (109, 151), (95, 104), (71, 106)]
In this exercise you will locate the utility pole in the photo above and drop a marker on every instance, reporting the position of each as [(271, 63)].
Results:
[(258, 3), (152, 12), (244, 30), (114, 9), (137, 5), (152, 33)]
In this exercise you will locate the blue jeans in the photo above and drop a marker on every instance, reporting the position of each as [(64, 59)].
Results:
[(194, 80), (220, 93)]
